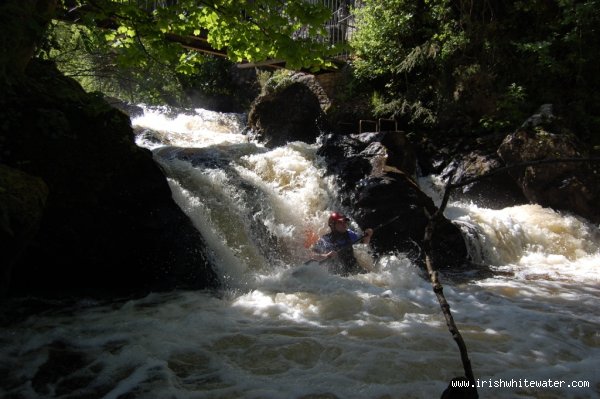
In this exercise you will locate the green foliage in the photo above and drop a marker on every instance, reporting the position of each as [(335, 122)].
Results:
[(402, 107), (468, 65), (218, 84), (279, 80), (508, 111), (124, 50), (83, 54), (211, 78), (397, 44), (262, 77), (246, 30)]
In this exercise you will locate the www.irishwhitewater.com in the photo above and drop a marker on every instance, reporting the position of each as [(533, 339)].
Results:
[(520, 383)]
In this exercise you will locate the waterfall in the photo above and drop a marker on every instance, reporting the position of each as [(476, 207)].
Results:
[(528, 239), (284, 329)]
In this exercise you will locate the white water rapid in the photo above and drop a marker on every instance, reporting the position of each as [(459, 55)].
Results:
[(282, 329)]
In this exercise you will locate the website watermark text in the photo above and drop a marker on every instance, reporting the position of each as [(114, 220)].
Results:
[(520, 383)]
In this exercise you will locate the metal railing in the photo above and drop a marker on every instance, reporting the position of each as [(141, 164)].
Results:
[(340, 26), (380, 125)]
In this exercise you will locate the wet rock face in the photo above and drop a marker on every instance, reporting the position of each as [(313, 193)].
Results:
[(22, 203), (568, 186), (109, 224), (497, 191), (378, 199), (292, 113), (376, 190)]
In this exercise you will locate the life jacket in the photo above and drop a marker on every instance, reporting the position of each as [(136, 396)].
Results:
[(341, 243)]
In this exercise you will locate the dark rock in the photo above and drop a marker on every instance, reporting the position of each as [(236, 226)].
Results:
[(378, 199), (351, 157), (291, 113), (375, 190), (128, 109), (497, 191), (315, 84), (568, 186), (110, 224), (22, 203)]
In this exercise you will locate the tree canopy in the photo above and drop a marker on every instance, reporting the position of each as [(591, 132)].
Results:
[(473, 66), (480, 65), (243, 30), (147, 50)]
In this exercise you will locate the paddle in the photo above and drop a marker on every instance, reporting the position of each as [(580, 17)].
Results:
[(359, 238)]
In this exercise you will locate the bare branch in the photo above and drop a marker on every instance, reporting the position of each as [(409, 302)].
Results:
[(521, 165), (438, 289)]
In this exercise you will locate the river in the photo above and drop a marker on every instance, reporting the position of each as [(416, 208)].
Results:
[(284, 329)]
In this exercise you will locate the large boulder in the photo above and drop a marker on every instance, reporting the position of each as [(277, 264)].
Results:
[(109, 225), (568, 186), (352, 157), (291, 112), (487, 188), (22, 202), (23, 24), (374, 172)]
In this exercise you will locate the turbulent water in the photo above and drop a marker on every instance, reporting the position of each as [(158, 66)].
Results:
[(285, 329)]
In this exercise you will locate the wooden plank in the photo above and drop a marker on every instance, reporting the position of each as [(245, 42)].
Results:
[(273, 63)]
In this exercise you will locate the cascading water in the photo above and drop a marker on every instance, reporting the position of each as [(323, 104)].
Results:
[(284, 329)]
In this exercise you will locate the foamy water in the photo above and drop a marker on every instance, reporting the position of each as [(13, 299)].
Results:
[(285, 329)]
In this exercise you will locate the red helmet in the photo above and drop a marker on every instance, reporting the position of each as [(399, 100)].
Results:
[(336, 217)]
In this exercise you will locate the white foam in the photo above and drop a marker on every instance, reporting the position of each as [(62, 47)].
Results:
[(193, 128), (289, 329)]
